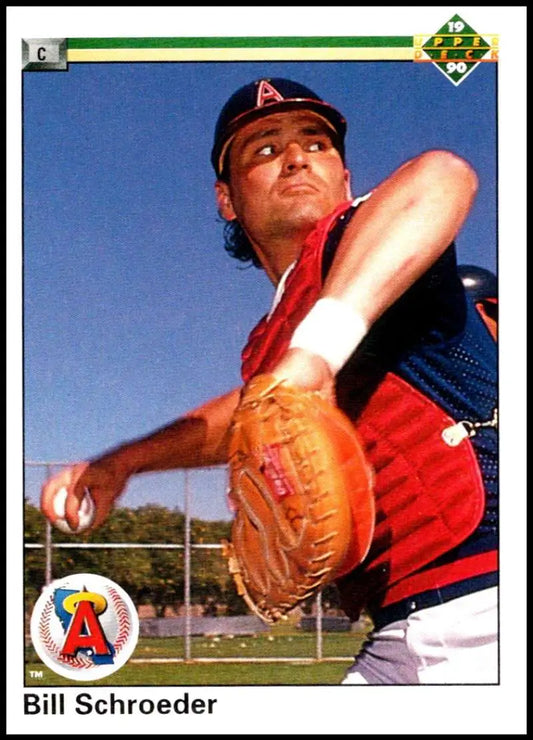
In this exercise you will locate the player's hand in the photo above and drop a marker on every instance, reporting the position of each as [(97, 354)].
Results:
[(306, 370), (104, 480)]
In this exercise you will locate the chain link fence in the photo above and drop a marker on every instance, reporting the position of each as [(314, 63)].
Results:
[(185, 598)]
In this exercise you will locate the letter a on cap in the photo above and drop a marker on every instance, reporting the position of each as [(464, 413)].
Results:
[(267, 93)]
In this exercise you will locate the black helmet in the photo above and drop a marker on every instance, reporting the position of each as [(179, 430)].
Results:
[(478, 282)]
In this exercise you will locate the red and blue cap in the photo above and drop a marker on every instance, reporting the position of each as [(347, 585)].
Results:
[(262, 98)]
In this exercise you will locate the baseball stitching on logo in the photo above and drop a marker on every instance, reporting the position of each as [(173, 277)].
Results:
[(123, 619)]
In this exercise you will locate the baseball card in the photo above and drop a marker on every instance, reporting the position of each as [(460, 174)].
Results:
[(266, 370)]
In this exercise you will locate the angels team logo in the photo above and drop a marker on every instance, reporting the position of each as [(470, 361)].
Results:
[(84, 627)]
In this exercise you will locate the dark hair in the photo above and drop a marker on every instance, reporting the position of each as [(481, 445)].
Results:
[(237, 244)]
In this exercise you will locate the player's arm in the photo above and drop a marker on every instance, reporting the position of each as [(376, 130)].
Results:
[(197, 439), (393, 238)]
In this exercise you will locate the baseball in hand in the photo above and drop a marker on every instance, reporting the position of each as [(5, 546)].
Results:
[(86, 512)]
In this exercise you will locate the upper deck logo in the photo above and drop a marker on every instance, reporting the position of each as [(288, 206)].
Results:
[(456, 49), (84, 627)]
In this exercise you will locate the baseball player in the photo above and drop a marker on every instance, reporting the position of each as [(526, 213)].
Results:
[(369, 311)]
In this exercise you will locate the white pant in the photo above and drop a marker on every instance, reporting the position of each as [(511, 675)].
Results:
[(451, 643)]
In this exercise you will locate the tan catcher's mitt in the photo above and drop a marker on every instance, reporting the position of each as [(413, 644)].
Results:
[(301, 491)]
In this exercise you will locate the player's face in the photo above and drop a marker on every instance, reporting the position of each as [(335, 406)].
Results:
[(285, 174)]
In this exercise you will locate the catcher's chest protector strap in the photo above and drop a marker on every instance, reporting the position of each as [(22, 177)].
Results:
[(429, 496)]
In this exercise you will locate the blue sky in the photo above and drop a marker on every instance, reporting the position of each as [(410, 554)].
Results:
[(133, 312)]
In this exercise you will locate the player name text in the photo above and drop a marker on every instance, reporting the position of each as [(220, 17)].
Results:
[(85, 703)]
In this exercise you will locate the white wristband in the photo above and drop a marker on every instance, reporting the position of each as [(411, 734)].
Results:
[(332, 330)]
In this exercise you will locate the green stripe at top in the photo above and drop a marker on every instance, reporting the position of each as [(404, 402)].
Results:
[(241, 42)]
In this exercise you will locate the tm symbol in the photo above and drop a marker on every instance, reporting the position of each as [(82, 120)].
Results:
[(36, 674)]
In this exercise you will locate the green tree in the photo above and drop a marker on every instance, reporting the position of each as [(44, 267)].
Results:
[(149, 576), (34, 559)]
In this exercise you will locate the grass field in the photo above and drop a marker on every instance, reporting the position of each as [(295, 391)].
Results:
[(212, 674), (160, 661)]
